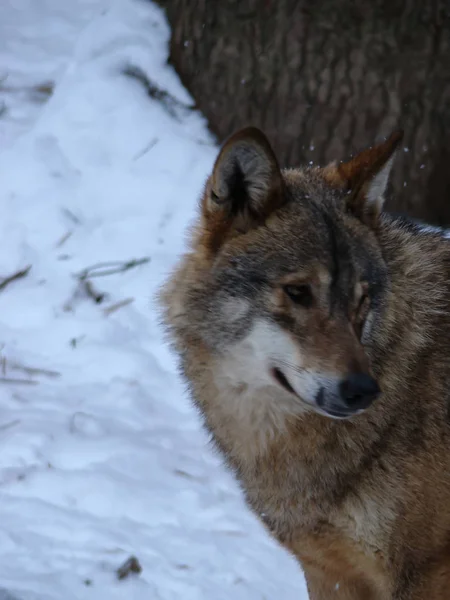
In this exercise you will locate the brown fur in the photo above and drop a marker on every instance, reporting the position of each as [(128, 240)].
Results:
[(363, 503)]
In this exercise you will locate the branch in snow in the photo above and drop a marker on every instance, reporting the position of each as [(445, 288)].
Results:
[(40, 92), (9, 425), (21, 381), (76, 340), (43, 91), (6, 366), (71, 216), (85, 288), (130, 566), (64, 239), (111, 268), (111, 309), (14, 366), (146, 149), (103, 269), (7, 280), (96, 296), (171, 104)]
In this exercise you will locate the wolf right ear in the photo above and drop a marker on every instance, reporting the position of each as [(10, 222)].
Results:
[(365, 177), (245, 185)]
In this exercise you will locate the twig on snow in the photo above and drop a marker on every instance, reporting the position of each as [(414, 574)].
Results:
[(6, 366), (18, 275), (152, 143), (96, 296), (109, 310), (171, 104), (103, 269), (111, 268), (6, 426), (14, 366), (131, 565), (71, 216), (63, 239), (85, 287), (76, 340), (44, 89), (21, 381)]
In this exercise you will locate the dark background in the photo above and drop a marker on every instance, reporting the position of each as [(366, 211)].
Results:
[(325, 78)]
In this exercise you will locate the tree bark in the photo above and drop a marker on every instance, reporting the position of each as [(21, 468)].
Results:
[(325, 78)]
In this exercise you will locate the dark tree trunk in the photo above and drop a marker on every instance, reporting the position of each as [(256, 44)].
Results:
[(324, 78)]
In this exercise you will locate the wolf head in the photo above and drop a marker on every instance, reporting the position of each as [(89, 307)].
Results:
[(286, 281)]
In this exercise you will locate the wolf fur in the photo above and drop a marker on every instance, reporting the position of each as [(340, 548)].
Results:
[(296, 285)]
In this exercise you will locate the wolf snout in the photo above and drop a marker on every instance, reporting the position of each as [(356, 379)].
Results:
[(358, 391), (355, 393)]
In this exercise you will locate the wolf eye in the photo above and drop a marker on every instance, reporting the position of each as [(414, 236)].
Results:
[(364, 301), (362, 312), (300, 294), (214, 196)]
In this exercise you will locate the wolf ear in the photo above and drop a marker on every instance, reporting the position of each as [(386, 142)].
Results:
[(245, 185), (365, 177)]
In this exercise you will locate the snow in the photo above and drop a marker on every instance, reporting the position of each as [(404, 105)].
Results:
[(102, 455)]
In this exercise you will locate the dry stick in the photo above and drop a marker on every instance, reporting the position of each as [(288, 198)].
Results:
[(146, 149), (6, 364), (33, 370), (45, 88), (10, 424), (111, 309), (132, 565), (171, 104), (7, 280), (111, 268), (21, 381), (71, 216), (101, 270), (63, 239), (86, 286), (97, 297)]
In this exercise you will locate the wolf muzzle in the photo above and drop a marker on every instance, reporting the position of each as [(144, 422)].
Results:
[(355, 393)]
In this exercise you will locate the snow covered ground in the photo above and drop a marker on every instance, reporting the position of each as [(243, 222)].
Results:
[(101, 454)]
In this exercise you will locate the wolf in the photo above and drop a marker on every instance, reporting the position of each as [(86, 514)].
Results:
[(313, 329)]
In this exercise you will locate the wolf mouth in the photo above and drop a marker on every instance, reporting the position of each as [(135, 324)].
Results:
[(281, 378), (338, 414), (335, 412)]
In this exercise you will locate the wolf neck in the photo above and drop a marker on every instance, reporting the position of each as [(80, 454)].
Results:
[(417, 303)]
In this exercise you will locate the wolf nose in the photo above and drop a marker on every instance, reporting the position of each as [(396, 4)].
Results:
[(358, 391)]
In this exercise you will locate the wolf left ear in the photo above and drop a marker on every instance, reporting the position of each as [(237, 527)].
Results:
[(245, 185), (365, 177)]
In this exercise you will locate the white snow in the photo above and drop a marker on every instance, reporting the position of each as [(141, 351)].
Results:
[(103, 456)]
